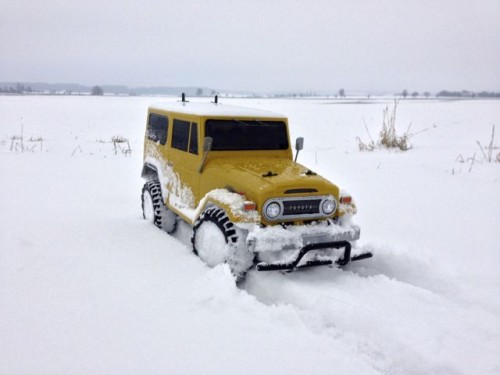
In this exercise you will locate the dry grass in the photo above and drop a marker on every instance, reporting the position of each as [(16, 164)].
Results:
[(388, 136), (122, 144), (488, 153), (18, 143)]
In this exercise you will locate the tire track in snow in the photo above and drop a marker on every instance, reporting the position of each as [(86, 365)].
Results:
[(396, 323), (392, 310)]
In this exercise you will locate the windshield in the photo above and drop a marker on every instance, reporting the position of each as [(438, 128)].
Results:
[(230, 135)]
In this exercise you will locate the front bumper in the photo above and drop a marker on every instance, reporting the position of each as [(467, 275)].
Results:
[(280, 248), (278, 238)]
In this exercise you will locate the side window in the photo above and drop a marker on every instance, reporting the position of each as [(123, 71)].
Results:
[(157, 128), (180, 135), (193, 139)]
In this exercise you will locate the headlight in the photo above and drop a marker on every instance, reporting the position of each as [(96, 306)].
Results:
[(328, 206), (273, 210)]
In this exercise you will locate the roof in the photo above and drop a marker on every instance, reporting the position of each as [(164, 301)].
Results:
[(213, 109)]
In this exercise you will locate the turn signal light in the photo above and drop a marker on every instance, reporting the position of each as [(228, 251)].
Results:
[(346, 199), (249, 206)]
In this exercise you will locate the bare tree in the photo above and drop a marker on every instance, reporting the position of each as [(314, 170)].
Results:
[(97, 90)]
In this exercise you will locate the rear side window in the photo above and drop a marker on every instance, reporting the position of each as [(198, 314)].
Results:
[(157, 128), (180, 135)]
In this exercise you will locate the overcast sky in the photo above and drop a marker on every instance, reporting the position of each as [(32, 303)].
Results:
[(261, 45)]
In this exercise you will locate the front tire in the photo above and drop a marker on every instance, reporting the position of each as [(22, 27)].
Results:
[(216, 240), (154, 209)]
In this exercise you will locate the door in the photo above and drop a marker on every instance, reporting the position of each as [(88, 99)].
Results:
[(185, 160)]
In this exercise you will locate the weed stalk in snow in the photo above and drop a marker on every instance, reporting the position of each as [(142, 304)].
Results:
[(486, 151), (118, 141), (388, 137), (488, 156)]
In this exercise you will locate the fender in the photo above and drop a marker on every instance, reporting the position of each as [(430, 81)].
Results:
[(149, 172), (232, 204)]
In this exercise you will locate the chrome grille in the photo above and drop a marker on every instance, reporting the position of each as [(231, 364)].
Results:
[(298, 208), (301, 207)]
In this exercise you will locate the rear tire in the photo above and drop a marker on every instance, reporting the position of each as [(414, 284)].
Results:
[(216, 240), (154, 209)]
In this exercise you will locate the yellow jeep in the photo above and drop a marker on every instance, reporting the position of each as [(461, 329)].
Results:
[(230, 173)]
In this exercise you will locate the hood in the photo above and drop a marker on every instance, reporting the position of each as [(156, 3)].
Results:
[(263, 178)]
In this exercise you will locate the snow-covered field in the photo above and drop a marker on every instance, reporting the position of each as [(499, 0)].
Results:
[(88, 287)]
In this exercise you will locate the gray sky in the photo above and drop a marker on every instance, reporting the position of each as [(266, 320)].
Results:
[(261, 45)]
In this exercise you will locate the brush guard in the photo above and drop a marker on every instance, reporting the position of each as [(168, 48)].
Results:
[(293, 265)]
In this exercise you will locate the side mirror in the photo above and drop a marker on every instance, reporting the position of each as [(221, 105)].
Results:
[(299, 145), (207, 146)]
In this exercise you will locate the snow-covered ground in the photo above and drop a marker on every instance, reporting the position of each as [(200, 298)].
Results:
[(88, 287)]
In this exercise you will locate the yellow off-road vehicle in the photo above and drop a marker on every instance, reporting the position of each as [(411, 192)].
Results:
[(230, 173)]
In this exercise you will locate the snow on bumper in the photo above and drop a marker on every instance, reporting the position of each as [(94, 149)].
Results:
[(278, 238)]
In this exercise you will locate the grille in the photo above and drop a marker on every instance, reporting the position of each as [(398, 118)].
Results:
[(298, 208), (301, 207)]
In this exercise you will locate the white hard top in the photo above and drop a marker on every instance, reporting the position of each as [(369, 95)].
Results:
[(212, 109)]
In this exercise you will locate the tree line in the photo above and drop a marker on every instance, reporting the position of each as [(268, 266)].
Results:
[(453, 94), (467, 94), (24, 89), (19, 89), (98, 90)]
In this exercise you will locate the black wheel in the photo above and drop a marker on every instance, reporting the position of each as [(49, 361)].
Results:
[(216, 240), (154, 210)]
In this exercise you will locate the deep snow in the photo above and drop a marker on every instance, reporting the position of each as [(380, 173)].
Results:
[(88, 286)]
